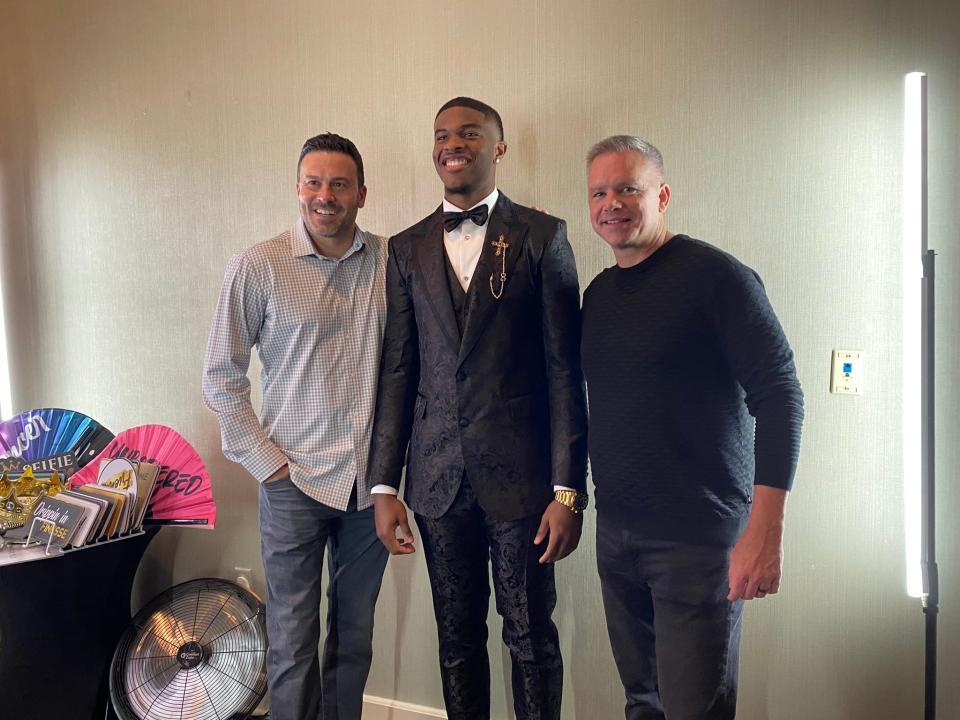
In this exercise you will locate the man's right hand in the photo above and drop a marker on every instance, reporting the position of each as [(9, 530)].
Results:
[(390, 513)]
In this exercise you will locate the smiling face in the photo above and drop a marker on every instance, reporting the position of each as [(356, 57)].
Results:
[(466, 148), (330, 197), (628, 200)]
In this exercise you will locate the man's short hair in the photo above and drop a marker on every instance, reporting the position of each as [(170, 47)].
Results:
[(488, 112), (331, 142), (627, 143)]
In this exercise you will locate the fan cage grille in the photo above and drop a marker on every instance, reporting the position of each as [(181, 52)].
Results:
[(157, 672)]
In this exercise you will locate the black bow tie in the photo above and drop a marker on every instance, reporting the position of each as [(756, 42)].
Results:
[(452, 220)]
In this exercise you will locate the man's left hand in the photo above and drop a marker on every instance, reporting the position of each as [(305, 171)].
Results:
[(756, 561), (564, 527)]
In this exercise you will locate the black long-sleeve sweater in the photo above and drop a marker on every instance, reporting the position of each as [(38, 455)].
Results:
[(678, 352)]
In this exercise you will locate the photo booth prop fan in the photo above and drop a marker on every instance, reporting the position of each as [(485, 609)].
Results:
[(69, 439), (197, 650), (183, 494)]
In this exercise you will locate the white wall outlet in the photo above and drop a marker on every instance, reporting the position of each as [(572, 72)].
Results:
[(243, 577), (846, 374)]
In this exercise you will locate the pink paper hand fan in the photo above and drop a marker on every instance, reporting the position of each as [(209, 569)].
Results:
[(183, 494)]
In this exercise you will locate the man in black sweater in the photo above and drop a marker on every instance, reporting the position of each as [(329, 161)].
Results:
[(680, 348)]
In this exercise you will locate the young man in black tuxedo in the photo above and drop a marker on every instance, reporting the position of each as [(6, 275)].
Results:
[(481, 395)]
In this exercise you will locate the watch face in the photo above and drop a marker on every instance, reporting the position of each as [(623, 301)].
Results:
[(580, 503)]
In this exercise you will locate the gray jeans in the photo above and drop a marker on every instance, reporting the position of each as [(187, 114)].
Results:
[(294, 532)]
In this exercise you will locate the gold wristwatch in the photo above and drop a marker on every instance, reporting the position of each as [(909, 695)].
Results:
[(576, 501)]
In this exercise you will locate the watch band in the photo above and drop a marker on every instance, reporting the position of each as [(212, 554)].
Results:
[(575, 501)]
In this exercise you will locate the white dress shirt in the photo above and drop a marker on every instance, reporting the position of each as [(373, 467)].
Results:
[(465, 242)]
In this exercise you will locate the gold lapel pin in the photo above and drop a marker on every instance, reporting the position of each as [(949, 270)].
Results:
[(501, 253)]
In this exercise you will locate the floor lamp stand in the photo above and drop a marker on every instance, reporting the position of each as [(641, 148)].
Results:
[(931, 590)]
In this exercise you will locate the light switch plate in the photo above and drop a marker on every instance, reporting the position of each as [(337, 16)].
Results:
[(846, 375)]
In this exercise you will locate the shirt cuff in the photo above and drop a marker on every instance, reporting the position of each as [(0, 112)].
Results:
[(383, 490), (265, 460), (562, 487)]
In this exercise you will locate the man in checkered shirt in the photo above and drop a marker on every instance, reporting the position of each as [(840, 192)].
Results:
[(312, 301)]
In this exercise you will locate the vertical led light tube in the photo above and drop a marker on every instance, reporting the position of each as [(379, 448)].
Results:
[(914, 245), (6, 404)]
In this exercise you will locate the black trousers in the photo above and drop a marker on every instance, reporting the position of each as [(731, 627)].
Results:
[(458, 547), (674, 634)]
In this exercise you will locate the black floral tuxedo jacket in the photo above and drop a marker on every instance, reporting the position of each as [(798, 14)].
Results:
[(505, 402)]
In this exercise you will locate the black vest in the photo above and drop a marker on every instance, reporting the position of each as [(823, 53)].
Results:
[(457, 295)]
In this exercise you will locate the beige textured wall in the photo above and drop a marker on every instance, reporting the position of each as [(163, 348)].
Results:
[(144, 142)]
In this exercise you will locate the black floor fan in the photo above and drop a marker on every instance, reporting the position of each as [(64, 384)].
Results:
[(197, 651)]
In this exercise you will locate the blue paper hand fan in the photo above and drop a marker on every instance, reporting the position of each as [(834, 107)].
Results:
[(50, 433)]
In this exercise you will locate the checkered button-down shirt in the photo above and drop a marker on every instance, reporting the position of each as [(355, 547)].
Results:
[(317, 324)]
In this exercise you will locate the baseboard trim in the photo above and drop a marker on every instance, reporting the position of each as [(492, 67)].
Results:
[(378, 708)]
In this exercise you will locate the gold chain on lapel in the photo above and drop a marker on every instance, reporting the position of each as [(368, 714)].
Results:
[(501, 247)]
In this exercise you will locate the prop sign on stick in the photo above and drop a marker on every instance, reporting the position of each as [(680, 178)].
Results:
[(183, 494)]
